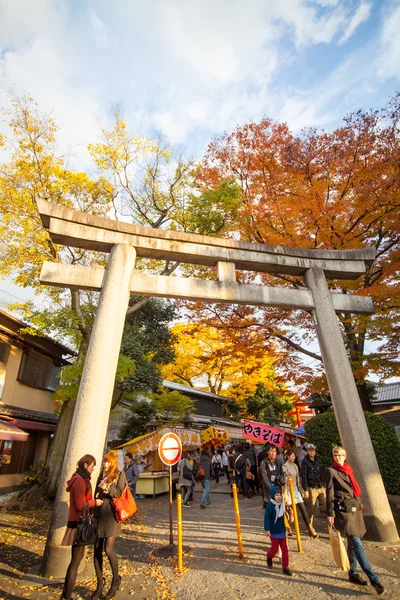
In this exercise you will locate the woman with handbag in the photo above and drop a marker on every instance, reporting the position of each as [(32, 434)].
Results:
[(80, 499), (110, 484), (344, 511), (185, 478), (291, 469)]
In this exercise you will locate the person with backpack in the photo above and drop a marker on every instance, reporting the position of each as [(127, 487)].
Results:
[(204, 476), (185, 478)]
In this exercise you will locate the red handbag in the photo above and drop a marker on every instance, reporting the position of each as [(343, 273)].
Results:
[(124, 506)]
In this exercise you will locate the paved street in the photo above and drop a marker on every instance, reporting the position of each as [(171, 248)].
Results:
[(213, 570)]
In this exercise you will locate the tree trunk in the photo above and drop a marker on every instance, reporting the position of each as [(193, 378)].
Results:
[(58, 446), (364, 397), (34, 495)]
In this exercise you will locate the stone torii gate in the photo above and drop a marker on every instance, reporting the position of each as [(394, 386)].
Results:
[(119, 279)]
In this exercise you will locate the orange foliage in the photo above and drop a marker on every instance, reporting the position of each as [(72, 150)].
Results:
[(332, 190)]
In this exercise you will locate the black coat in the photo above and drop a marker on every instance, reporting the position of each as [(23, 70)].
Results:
[(338, 489), (107, 525), (265, 471), (312, 473)]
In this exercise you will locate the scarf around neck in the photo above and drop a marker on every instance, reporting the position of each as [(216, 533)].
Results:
[(83, 473), (279, 509), (347, 470)]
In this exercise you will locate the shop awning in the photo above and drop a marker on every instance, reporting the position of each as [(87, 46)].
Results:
[(143, 444), (8, 431), (214, 436)]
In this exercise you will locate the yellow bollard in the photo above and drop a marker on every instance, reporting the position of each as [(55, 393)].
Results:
[(179, 514), (237, 515), (296, 520)]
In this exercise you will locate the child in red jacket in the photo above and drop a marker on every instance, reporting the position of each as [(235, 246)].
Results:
[(274, 525)]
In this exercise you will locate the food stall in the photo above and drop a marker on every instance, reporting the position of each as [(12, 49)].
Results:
[(213, 436), (153, 479)]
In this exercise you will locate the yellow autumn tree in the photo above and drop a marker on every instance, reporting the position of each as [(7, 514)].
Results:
[(225, 362), (130, 180)]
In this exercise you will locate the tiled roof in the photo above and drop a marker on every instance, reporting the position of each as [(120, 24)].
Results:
[(190, 391), (388, 392), (26, 413)]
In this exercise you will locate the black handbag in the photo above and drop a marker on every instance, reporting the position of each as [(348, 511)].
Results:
[(86, 531), (187, 473)]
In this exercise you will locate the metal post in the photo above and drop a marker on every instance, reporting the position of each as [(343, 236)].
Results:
[(171, 531), (296, 519), (179, 514), (237, 515)]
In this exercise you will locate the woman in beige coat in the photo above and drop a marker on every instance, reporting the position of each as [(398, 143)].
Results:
[(291, 469)]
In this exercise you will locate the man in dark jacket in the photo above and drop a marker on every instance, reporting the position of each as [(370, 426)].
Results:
[(271, 473), (313, 480), (131, 472), (240, 470), (205, 462), (252, 456)]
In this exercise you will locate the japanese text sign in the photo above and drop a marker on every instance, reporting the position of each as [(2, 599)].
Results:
[(263, 433)]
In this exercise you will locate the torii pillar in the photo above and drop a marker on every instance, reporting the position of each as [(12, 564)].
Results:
[(93, 404), (348, 411)]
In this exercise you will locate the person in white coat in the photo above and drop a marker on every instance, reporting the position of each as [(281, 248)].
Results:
[(185, 478)]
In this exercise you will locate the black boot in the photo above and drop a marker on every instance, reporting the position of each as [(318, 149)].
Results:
[(379, 588), (355, 578), (99, 590), (114, 588)]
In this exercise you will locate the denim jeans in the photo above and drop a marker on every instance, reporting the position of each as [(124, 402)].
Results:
[(241, 481), (205, 499), (356, 552)]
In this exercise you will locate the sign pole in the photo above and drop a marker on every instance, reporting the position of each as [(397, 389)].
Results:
[(171, 532), (170, 452)]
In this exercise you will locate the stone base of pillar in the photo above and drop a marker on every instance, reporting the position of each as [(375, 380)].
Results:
[(380, 531), (56, 560), (33, 580)]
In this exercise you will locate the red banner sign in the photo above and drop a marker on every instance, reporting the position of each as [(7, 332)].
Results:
[(263, 433)]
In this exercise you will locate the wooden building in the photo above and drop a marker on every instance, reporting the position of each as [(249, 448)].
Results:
[(29, 372)]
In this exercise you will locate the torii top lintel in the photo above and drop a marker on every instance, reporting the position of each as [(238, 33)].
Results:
[(70, 227)]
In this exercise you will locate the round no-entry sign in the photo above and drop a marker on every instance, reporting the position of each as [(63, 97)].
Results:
[(170, 448)]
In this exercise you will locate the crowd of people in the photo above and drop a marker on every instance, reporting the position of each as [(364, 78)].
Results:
[(335, 490), (267, 472)]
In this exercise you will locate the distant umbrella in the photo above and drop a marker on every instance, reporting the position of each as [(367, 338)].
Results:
[(300, 431)]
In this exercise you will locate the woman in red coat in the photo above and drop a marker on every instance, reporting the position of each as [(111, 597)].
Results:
[(80, 495)]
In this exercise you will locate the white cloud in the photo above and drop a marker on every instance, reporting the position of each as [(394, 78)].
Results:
[(388, 61), (190, 69), (362, 14)]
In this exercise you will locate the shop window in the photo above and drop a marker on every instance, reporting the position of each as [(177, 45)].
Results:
[(4, 354), (38, 371)]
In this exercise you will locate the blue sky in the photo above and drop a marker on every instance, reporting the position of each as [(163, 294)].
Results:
[(193, 69)]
